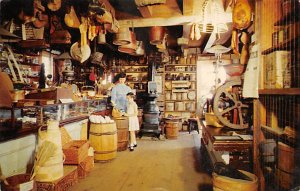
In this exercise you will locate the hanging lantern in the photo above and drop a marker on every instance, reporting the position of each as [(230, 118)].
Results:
[(122, 37)]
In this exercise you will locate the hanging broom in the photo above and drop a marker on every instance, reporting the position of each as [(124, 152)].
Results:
[(46, 150)]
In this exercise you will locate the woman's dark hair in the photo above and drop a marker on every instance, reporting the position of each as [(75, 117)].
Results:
[(131, 94), (122, 75)]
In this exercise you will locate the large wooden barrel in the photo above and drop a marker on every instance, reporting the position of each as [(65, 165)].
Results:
[(156, 35), (103, 138), (284, 179), (172, 129), (123, 132), (224, 183), (14, 183), (286, 157)]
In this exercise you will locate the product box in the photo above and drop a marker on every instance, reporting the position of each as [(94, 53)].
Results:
[(75, 151), (86, 166), (69, 179)]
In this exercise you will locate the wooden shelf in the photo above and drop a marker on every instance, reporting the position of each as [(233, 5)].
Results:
[(135, 72), (29, 64), (282, 46), (180, 65), (136, 82), (180, 72), (283, 91)]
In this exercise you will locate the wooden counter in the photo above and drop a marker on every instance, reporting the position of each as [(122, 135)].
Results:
[(233, 149)]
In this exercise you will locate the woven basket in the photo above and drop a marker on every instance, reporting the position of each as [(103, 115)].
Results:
[(141, 3)]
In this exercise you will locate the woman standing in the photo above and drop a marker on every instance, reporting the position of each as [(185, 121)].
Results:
[(119, 92)]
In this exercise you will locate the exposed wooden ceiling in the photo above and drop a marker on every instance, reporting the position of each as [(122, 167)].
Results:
[(179, 13)]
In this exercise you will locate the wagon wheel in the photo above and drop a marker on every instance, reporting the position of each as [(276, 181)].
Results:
[(228, 105)]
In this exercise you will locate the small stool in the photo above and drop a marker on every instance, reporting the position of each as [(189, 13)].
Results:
[(193, 125)]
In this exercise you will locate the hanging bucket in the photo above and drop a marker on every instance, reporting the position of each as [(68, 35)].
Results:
[(131, 47), (157, 34), (123, 37), (103, 138)]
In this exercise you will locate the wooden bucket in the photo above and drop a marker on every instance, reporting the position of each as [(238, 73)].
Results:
[(156, 35), (284, 179), (123, 37), (16, 182), (171, 129), (103, 138), (286, 158), (123, 134), (131, 47), (223, 183)]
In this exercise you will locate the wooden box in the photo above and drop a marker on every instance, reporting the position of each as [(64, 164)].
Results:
[(75, 151), (63, 184), (85, 166)]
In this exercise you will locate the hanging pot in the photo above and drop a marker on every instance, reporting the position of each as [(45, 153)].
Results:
[(123, 37), (129, 48), (156, 35)]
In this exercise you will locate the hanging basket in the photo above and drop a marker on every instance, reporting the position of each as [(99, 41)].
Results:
[(157, 34), (122, 37), (129, 48)]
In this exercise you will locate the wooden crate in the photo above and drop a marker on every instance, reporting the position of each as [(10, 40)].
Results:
[(86, 166), (69, 179), (75, 151)]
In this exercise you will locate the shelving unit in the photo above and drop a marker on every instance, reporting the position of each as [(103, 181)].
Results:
[(276, 112), (180, 90)]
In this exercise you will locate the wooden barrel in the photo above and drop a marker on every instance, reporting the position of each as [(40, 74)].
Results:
[(223, 183), (156, 35), (14, 183), (172, 129), (123, 132), (140, 116), (286, 158), (284, 179), (103, 138)]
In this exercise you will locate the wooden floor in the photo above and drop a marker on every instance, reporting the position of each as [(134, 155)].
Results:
[(155, 165)]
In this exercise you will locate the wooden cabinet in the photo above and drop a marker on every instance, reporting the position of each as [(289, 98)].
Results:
[(277, 110), (180, 90)]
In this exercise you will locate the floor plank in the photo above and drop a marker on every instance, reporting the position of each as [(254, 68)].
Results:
[(155, 165)]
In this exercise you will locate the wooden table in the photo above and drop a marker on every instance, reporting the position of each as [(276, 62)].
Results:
[(237, 152)]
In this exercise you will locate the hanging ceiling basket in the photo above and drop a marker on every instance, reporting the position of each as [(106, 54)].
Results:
[(141, 3), (156, 35), (131, 47), (122, 37)]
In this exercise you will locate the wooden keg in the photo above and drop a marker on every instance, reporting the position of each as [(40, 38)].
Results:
[(131, 47), (15, 182), (123, 36), (140, 116), (284, 179), (156, 35), (286, 158), (103, 138), (224, 183), (172, 129), (123, 132)]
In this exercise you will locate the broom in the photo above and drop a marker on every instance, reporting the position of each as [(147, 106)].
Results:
[(46, 150)]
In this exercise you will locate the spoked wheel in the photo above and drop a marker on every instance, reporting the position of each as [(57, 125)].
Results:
[(229, 107)]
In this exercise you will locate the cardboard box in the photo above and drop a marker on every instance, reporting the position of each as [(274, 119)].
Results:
[(86, 166), (75, 151), (69, 179)]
